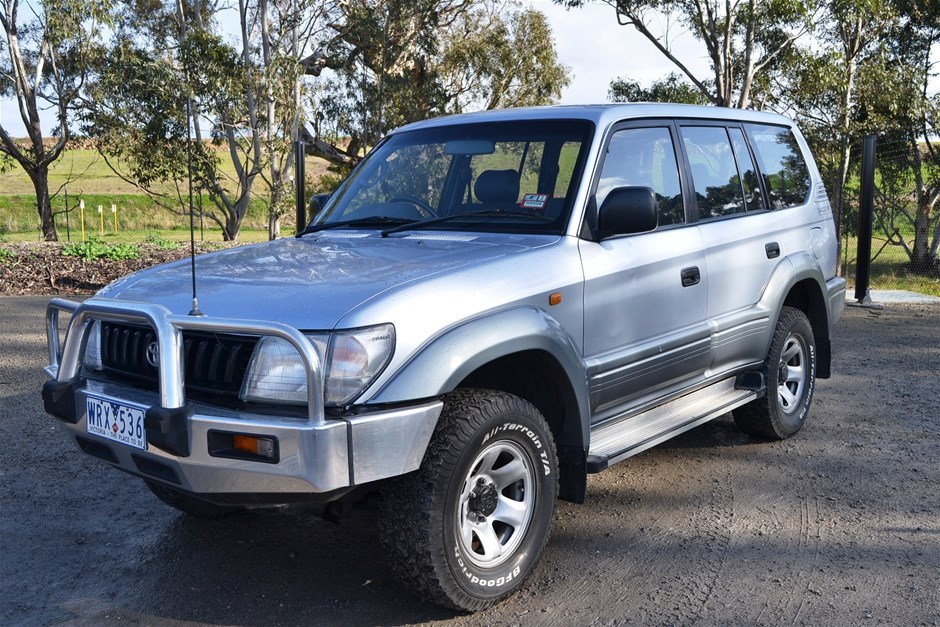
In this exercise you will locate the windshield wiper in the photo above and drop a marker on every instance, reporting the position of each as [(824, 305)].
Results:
[(371, 220), (485, 213)]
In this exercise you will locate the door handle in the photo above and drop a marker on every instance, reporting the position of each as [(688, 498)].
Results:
[(691, 276), (772, 249)]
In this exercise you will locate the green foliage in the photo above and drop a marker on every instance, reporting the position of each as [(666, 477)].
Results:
[(327, 183), (482, 67), (6, 256), (743, 41), (672, 88), (157, 240), (398, 61), (93, 249)]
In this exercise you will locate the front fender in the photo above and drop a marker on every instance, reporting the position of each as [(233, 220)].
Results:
[(450, 357)]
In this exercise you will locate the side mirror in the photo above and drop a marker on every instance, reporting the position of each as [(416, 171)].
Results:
[(627, 210), (317, 202)]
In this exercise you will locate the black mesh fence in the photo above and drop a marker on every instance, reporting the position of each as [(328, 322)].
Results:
[(905, 218)]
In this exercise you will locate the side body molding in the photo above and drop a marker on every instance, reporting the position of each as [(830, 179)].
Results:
[(450, 357)]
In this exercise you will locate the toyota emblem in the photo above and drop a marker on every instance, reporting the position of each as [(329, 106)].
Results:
[(153, 354)]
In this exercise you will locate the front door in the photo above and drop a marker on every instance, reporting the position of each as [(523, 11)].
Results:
[(645, 295)]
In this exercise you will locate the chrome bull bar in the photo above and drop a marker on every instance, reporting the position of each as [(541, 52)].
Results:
[(65, 359)]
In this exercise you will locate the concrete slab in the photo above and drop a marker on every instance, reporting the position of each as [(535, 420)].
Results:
[(894, 296)]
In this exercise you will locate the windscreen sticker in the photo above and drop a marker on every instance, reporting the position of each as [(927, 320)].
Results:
[(534, 201)]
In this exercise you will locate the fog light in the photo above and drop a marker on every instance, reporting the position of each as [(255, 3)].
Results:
[(254, 448)]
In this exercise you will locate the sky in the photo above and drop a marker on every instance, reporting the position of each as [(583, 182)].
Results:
[(588, 40), (597, 50)]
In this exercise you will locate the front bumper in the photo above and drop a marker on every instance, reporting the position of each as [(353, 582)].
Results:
[(316, 454)]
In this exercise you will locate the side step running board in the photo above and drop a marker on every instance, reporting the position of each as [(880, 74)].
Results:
[(619, 438)]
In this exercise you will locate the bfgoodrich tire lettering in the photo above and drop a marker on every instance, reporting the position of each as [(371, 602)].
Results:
[(466, 529), (790, 374)]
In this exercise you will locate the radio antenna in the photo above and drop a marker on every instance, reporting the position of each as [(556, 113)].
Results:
[(192, 227), (189, 168)]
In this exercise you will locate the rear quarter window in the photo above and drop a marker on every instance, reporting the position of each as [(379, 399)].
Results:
[(781, 163)]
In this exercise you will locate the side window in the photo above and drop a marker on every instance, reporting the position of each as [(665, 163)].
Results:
[(715, 175), (781, 163), (749, 181), (644, 157)]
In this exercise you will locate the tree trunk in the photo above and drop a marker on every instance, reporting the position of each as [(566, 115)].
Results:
[(920, 254), (838, 194), (274, 217), (40, 178)]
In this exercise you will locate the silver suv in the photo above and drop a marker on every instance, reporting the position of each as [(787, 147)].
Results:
[(490, 307)]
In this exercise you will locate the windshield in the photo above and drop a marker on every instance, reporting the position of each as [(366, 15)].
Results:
[(499, 176)]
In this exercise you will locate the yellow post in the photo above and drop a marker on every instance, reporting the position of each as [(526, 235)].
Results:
[(114, 213), (101, 218), (81, 206)]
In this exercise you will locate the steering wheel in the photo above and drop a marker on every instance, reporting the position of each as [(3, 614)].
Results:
[(425, 209)]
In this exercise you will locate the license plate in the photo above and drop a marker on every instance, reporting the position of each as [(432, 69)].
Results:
[(116, 421)]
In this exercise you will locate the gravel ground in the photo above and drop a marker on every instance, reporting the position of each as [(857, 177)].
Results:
[(839, 525)]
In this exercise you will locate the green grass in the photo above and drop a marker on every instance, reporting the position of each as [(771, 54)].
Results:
[(90, 179), (160, 237), (134, 212), (86, 173), (890, 270)]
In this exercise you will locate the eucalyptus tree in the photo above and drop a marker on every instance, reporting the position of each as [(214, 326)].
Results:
[(390, 62), (45, 54), (671, 88), (820, 85), (742, 39), (171, 74), (494, 57), (904, 105)]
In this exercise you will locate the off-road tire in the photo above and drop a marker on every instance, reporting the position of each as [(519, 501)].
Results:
[(790, 375), (188, 504), (491, 459)]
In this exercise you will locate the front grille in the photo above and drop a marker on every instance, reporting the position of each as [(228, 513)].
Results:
[(214, 364)]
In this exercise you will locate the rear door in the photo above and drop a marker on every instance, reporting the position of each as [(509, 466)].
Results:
[(743, 228), (645, 294)]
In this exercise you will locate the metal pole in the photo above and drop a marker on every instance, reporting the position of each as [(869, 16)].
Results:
[(299, 185), (301, 210), (865, 208), (68, 229), (202, 232)]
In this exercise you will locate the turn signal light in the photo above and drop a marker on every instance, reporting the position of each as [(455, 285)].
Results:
[(254, 448), (254, 445)]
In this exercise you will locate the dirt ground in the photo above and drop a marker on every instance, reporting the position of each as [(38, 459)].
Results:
[(839, 525)]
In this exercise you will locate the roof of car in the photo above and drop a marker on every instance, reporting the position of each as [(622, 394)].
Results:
[(604, 114)]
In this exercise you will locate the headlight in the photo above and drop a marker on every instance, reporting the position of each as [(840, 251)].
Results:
[(92, 355), (350, 361)]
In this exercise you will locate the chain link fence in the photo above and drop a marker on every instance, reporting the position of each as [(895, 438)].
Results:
[(905, 218), (128, 219)]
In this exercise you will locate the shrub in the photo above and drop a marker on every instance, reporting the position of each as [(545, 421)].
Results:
[(116, 252), (6, 256), (155, 239), (95, 249)]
